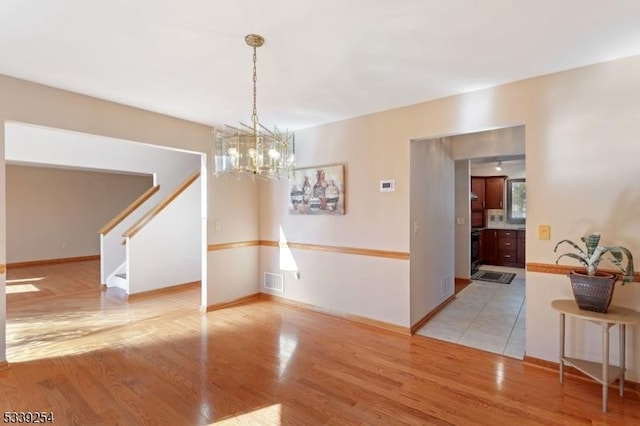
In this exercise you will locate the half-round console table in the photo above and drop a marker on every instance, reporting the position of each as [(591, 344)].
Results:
[(602, 373)]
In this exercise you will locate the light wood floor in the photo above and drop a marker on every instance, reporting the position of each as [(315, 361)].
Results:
[(94, 358)]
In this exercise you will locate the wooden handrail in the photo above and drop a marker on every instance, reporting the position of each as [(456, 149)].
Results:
[(160, 206), (128, 210)]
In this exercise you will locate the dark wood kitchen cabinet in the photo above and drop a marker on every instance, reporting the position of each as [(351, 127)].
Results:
[(507, 247), (503, 247), (489, 251), (477, 205), (477, 187), (494, 192)]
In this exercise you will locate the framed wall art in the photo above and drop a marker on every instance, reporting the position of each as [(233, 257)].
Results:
[(317, 190)]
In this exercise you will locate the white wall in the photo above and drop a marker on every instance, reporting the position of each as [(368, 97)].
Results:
[(462, 202), (167, 250), (238, 266), (432, 230), (345, 284), (507, 141), (55, 213), (513, 169), (50, 146)]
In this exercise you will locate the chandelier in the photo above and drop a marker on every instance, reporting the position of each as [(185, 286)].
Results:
[(254, 149)]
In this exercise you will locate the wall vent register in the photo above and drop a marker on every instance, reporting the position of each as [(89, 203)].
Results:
[(274, 281)]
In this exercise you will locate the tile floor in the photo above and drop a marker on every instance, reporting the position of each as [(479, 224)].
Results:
[(485, 316)]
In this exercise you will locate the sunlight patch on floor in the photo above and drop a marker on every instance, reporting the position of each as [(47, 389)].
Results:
[(25, 280), (22, 285), (270, 415), (21, 288), (39, 331)]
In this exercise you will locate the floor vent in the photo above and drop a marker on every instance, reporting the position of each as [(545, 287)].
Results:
[(274, 281)]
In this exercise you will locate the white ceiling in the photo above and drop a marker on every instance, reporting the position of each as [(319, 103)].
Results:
[(323, 60)]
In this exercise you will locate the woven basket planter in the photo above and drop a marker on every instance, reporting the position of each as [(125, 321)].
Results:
[(593, 293)]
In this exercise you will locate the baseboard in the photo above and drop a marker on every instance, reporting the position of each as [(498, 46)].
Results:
[(570, 371), (355, 318), (458, 280), (417, 326), (158, 291), (4, 365), (53, 261), (240, 301)]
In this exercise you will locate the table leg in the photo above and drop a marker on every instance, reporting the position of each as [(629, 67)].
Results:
[(605, 366), (622, 329), (562, 317)]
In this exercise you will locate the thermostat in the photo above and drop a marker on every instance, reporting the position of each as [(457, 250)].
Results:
[(387, 185)]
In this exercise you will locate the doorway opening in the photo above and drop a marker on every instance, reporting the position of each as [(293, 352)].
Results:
[(88, 166), (484, 315)]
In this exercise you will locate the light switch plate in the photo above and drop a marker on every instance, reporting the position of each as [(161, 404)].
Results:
[(544, 232)]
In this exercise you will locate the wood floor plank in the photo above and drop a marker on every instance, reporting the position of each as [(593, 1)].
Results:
[(95, 357)]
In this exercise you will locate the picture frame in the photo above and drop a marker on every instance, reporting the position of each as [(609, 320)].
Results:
[(318, 190)]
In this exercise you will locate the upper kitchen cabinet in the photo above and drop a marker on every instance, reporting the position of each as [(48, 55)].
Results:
[(477, 203), (494, 192), (477, 187)]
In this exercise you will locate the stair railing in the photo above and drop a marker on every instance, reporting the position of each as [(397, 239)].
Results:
[(146, 218)]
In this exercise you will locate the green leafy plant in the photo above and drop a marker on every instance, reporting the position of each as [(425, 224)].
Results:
[(594, 254)]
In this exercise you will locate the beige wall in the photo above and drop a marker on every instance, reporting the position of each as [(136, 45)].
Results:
[(233, 217), (56, 213), (372, 287), (582, 153)]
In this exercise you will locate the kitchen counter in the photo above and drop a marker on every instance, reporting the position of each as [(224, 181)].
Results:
[(506, 226)]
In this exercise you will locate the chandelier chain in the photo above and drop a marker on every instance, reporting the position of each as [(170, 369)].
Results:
[(254, 115), (248, 150)]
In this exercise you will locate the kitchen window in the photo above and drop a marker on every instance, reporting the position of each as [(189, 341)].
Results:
[(516, 201)]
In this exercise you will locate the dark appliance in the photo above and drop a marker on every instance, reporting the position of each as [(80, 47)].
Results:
[(475, 250)]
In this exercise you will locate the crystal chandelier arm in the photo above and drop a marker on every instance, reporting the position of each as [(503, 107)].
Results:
[(265, 129), (247, 128)]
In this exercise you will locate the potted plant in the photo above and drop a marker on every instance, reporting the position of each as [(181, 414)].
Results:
[(593, 289)]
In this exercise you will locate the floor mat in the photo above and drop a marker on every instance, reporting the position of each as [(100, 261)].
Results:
[(493, 276)]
